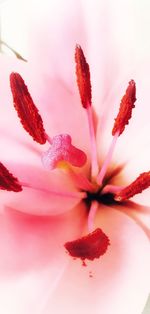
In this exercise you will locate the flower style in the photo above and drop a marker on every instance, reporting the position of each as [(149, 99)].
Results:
[(73, 193)]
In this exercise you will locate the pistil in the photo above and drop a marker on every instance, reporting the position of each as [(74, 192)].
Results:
[(62, 150)]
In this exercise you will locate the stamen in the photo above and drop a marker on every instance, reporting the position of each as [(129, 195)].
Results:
[(112, 189), (78, 195), (63, 150), (84, 85), (26, 109), (106, 163), (8, 181), (89, 247), (137, 186), (83, 77), (91, 216), (125, 110)]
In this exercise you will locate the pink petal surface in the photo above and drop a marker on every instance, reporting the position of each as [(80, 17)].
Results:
[(33, 241), (139, 213), (120, 282), (33, 257)]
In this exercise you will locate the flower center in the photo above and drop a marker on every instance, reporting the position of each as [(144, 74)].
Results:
[(95, 189)]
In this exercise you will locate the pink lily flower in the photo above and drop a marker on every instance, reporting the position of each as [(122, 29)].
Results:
[(77, 186)]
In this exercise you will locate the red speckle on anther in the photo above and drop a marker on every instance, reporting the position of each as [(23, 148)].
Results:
[(84, 263), (125, 110), (8, 181), (26, 109), (83, 77), (89, 247), (90, 274), (137, 186)]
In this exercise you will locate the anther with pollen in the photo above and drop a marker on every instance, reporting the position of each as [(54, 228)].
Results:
[(83, 77), (125, 110), (7, 181), (89, 247), (136, 187), (26, 109)]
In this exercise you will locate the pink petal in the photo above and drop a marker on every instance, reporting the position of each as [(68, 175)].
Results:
[(120, 282), (38, 200), (33, 257), (139, 213)]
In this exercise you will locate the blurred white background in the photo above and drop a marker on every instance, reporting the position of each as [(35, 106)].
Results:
[(14, 25)]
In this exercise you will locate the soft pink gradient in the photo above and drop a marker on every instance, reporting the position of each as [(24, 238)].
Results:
[(37, 276)]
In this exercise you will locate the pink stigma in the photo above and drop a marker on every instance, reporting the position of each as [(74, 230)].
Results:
[(62, 150)]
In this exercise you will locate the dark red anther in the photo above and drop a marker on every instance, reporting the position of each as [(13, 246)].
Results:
[(137, 186), (26, 109), (89, 247), (83, 77), (8, 181), (125, 110)]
